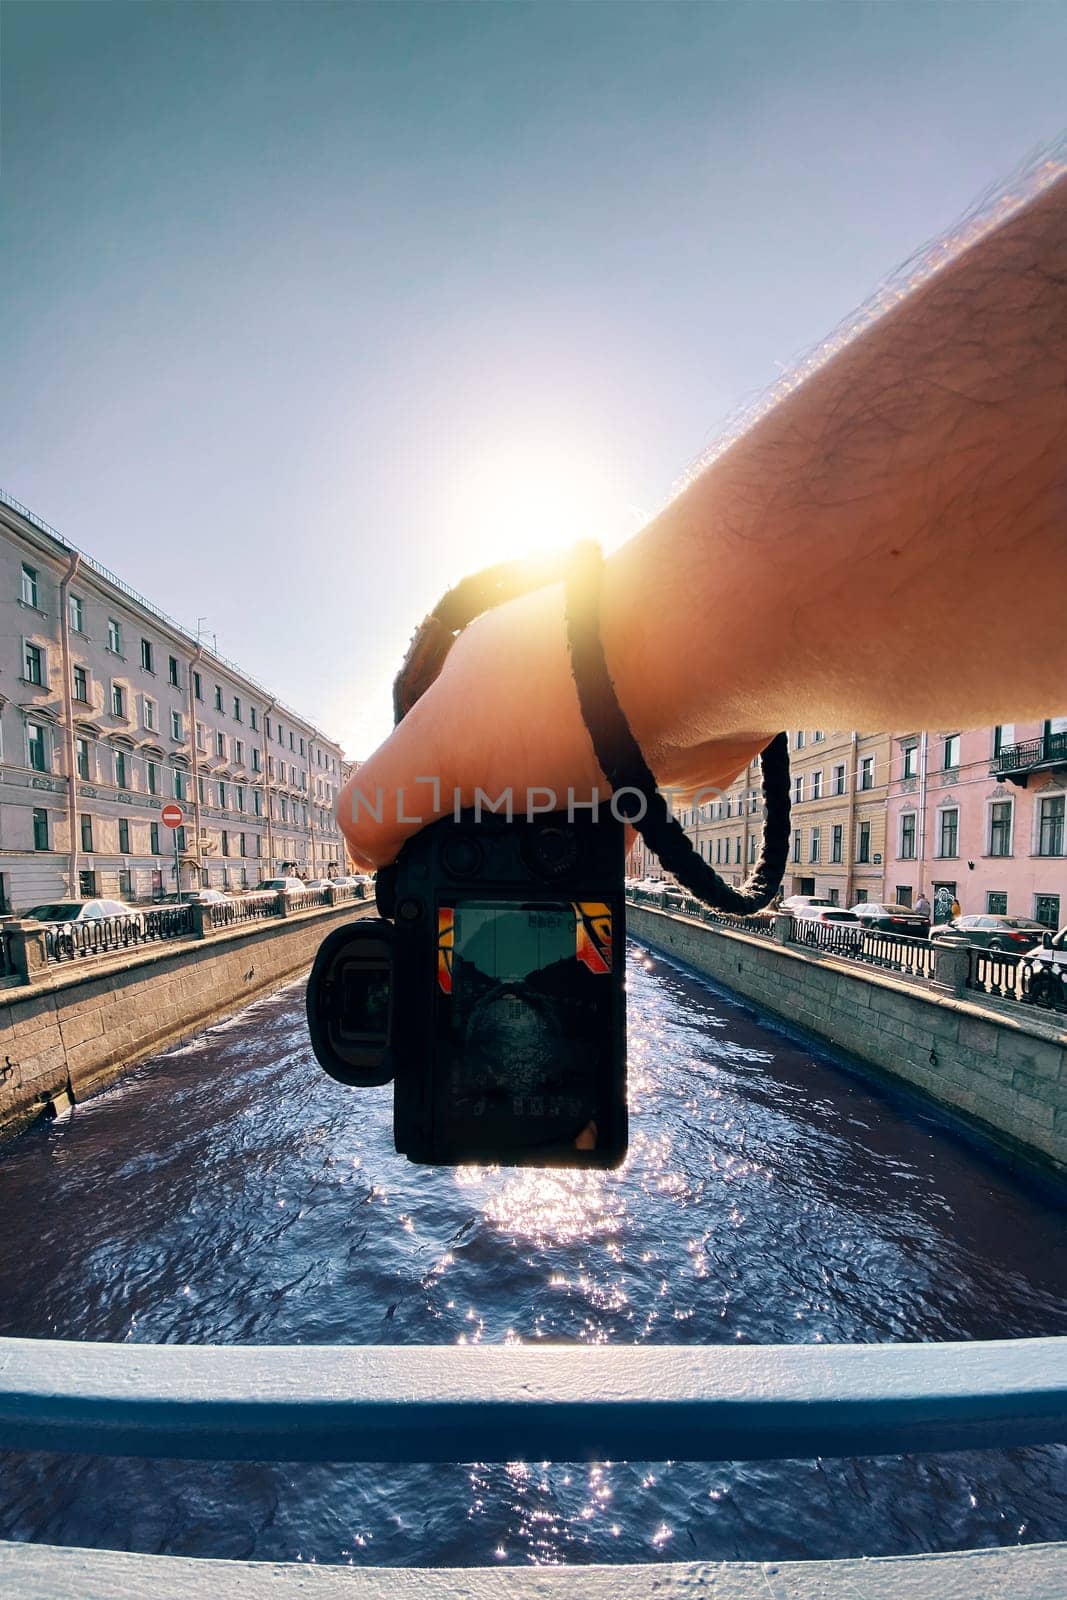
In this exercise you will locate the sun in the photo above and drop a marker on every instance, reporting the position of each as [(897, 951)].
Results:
[(520, 501)]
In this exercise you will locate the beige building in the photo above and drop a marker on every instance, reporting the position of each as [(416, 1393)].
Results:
[(108, 711), (838, 849)]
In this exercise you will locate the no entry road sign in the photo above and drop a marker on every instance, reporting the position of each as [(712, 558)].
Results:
[(173, 816)]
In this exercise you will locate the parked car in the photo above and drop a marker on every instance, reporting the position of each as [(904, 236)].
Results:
[(193, 897), (823, 911), (800, 902), (319, 883), (1048, 970), (887, 916), (290, 885), (80, 911), (1019, 934)]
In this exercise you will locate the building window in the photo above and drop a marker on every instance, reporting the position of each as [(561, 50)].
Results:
[(222, 796), (218, 697), (863, 854), (798, 788), (176, 725), (270, 766), (33, 665), (301, 747), (38, 749), (948, 832), (124, 836), (152, 774), (81, 685), (253, 719), (952, 753), (148, 708), (81, 757), (114, 636), (198, 687), (800, 739), (200, 789), (911, 761), (907, 836), (239, 796), (201, 743), (147, 657), (125, 883), (255, 760), (867, 772), (816, 842), (817, 736), (861, 897), (118, 700), (220, 744), (153, 839), (121, 774), (285, 809), (996, 903), (1050, 834), (85, 822), (76, 613), (29, 586), (292, 740), (40, 828), (751, 848), (257, 802), (266, 726), (1003, 735), (181, 839), (236, 708), (1047, 909), (726, 851), (241, 838), (172, 672), (225, 842), (816, 785), (1000, 828), (839, 779), (796, 845), (180, 789), (239, 752)]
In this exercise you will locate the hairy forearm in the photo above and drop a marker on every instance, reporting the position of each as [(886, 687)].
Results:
[(861, 556)]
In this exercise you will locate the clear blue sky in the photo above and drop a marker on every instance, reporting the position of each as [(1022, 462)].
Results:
[(293, 293)]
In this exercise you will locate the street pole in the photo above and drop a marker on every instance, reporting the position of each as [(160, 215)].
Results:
[(177, 868)]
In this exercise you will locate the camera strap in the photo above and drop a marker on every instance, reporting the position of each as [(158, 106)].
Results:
[(637, 799)]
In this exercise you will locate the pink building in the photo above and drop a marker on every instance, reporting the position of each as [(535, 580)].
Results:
[(978, 814)]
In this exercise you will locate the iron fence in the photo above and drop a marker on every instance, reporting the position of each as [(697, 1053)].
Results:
[(71, 941), (1007, 976), (248, 908), (307, 899), (838, 938)]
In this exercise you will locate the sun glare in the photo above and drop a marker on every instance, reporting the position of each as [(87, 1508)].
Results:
[(531, 501)]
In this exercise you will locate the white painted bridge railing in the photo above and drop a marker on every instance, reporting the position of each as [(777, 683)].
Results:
[(494, 1403)]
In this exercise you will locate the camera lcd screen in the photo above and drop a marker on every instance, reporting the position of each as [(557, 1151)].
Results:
[(524, 1024)]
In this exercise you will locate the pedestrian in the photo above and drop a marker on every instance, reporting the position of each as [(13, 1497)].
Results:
[(957, 910), (922, 905)]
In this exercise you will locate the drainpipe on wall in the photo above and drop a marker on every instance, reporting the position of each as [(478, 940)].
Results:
[(266, 792), (850, 826), (922, 821), (68, 719), (196, 661)]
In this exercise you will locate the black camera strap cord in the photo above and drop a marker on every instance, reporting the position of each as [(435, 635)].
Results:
[(638, 800)]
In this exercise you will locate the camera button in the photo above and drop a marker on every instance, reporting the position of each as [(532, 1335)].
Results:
[(409, 909), (461, 856)]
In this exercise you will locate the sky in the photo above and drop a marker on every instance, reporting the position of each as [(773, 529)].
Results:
[(308, 309)]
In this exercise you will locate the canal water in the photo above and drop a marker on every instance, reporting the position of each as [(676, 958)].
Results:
[(229, 1192)]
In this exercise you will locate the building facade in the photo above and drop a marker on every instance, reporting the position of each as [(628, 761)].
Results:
[(977, 815), (108, 712)]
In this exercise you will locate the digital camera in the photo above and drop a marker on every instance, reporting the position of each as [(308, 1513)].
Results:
[(489, 991)]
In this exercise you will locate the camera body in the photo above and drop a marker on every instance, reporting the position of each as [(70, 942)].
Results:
[(490, 991)]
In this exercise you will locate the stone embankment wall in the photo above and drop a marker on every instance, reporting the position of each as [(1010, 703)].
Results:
[(1004, 1074), (75, 1028)]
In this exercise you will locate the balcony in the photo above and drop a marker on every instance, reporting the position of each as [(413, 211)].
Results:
[(1015, 762)]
